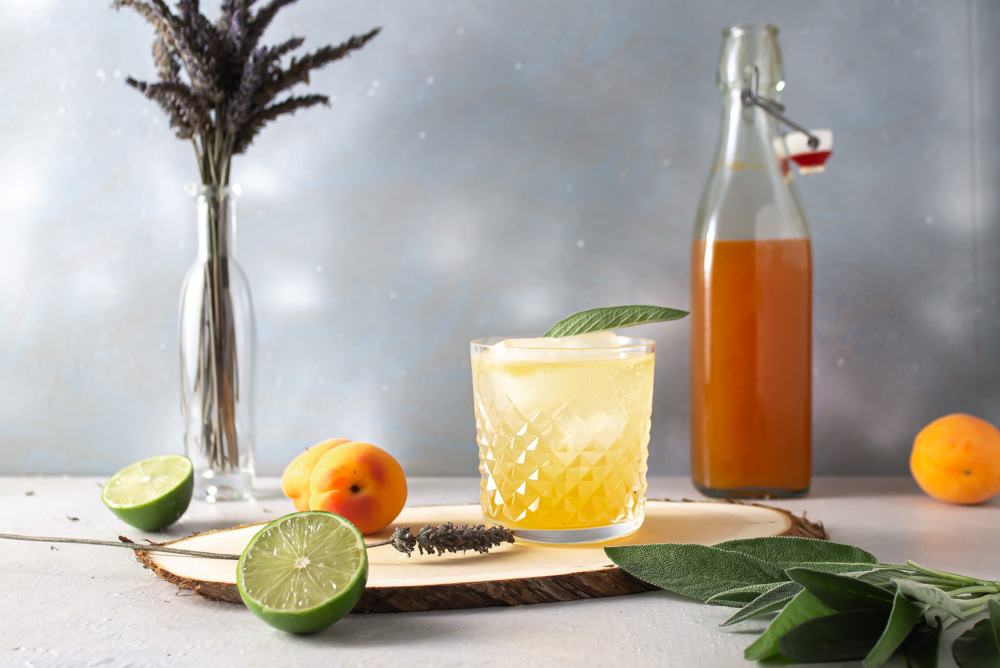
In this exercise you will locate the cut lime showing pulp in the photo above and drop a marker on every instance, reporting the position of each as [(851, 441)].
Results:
[(304, 571), (151, 494)]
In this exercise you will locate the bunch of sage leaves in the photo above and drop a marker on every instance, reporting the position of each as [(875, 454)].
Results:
[(833, 602)]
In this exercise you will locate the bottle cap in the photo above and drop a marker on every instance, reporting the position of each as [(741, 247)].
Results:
[(809, 158)]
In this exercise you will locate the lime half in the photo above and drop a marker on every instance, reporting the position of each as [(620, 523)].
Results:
[(151, 494), (304, 571)]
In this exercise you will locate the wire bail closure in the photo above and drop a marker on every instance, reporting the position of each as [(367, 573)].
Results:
[(748, 96)]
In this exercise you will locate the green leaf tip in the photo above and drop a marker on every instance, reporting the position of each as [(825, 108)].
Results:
[(612, 317), (842, 636), (841, 592), (979, 647), (903, 618), (801, 608), (698, 571)]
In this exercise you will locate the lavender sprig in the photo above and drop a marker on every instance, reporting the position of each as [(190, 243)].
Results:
[(440, 539), (448, 538)]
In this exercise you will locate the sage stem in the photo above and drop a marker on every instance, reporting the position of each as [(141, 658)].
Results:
[(951, 577), (975, 589)]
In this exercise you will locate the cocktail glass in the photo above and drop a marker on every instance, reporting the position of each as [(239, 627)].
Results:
[(563, 433)]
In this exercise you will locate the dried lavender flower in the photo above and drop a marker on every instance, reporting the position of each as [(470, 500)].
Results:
[(217, 85), (448, 538), (298, 71)]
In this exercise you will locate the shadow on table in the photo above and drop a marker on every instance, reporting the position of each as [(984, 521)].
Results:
[(833, 487), (839, 488), (264, 494), (361, 631), (189, 528), (268, 504)]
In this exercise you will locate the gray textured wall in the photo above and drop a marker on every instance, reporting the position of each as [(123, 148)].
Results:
[(486, 168)]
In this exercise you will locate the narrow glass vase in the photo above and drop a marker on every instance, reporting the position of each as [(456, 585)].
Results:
[(217, 346)]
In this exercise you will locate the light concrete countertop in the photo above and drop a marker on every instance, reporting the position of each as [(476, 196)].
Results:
[(93, 606)]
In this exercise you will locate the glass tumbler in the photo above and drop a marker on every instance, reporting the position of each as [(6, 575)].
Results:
[(563, 433)]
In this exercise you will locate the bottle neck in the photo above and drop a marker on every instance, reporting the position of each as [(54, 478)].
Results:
[(749, 138), (216, 222)]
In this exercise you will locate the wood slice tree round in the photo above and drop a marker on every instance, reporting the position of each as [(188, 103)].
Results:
[(509, 575)]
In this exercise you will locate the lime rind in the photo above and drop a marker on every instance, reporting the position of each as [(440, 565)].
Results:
[(304, 571), (151, 494)]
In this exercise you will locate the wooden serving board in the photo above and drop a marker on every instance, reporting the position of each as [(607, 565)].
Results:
[(508, 575)]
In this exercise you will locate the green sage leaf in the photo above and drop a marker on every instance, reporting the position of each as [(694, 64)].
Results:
[(840, 592), (770, 601), (737, 597), (843, 636), (612, 317), (698, 571), (935, 599), (790, 551), (994, 607), (803, 606), (904, 617), (979, 647), (883, 577), (924, 649)]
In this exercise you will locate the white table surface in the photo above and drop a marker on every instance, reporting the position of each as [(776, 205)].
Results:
[(94, 606)]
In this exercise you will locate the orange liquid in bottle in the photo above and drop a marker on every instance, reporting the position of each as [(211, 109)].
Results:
[(751, 334)]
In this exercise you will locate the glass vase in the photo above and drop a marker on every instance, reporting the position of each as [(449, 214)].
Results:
[(217, 346)]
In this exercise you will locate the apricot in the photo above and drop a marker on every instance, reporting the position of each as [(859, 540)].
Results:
[(360, 482), (295, 479), (956, 459)]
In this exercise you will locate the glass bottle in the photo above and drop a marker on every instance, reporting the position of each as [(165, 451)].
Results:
[(217, 346), (751, 294)]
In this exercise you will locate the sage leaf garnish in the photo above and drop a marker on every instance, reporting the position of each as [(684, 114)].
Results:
[(833, 601), (803, 606), (770, 601), (979, 647), (975, 647), (737, 597), (936, 600), (612, 317), (840, 637), (886, 577), (697, 571), (791, 551), (925, 647), (903, 618), (842, 593)]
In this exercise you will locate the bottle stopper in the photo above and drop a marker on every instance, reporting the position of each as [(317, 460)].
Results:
[(808, 149), (810, 156)]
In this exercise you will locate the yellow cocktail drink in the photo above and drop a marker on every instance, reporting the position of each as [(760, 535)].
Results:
[(563, 429)]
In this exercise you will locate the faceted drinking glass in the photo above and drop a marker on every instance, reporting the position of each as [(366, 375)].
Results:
[(563, 434)]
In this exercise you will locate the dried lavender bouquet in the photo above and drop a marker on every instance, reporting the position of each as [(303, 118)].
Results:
[(219, 87)]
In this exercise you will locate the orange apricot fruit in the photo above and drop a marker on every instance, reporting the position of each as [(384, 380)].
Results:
[(956, 459), (360, 482), (295, 479)]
